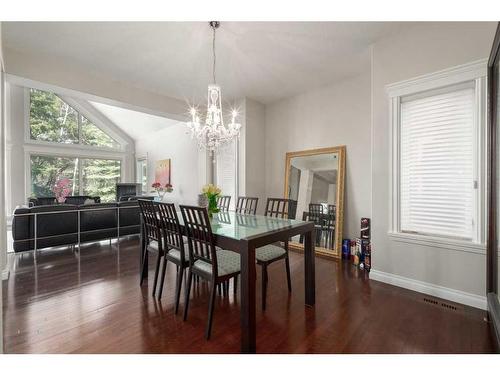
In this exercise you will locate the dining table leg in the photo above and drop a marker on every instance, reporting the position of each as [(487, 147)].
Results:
[(248, 276), (309, 270)]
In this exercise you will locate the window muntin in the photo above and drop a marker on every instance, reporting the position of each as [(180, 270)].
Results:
[(53, 120), (437, 163)]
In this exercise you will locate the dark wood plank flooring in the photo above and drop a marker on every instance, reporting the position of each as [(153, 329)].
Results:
[(93, 304)]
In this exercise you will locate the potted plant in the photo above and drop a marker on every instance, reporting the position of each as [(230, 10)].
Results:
[(212, 192)]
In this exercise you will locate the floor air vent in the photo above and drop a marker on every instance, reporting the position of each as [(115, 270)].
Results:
[(438, 303), (428, 300)]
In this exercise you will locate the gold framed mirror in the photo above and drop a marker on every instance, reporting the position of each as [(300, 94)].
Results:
[(314, 180)]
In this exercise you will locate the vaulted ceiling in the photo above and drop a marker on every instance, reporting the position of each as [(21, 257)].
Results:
[(265, 61)]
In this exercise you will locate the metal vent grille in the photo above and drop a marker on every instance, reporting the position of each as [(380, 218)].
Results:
[(444, 305)]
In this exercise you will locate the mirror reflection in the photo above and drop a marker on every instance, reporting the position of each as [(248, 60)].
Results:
[(313, 182)]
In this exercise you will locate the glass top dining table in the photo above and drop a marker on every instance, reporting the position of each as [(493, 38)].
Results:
[(244, 226), (243, 233)]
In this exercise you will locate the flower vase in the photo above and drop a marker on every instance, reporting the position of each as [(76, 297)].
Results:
[(212, 205)]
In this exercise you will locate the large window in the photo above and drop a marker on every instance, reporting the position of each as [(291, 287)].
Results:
[(437, 163), (94, 177), (53, 120)]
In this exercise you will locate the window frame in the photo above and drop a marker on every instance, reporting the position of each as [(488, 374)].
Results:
[(473, 72), (142, 159), (79, 145)]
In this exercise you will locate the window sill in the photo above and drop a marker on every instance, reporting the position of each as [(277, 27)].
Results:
[(442, 243)]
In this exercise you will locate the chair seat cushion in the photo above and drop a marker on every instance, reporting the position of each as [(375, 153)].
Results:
[(176, 254), (153, 245), (268, 253), (228, 262)]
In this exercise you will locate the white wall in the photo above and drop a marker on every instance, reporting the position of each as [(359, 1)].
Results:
[(253, 153), (188, 164), (331, 116), (423, 49)]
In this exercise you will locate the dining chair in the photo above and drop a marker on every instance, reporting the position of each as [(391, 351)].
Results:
[(174, 247), (247, 205), (215, 266), (275, 207), (152, 233), (223, 202)]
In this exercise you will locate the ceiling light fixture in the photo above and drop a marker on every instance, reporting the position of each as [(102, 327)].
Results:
[(213, 134)]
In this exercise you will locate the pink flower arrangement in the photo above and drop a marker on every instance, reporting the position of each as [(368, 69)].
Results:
[(62, 189), (162, 189)]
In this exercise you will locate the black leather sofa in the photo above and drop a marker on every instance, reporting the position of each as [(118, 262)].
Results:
[(72, 199), (57, 225)]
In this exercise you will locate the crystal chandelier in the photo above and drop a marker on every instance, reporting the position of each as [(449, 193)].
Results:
[(213, 134)]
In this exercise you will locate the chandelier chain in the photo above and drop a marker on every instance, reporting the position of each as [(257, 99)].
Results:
[(213, 51)]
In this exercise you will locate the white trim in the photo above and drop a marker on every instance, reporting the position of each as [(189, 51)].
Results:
[(438, 242), (472, 72), (26, 82), (454, 295), (442, 78), (5, 274), (72, 150), (97, 118)]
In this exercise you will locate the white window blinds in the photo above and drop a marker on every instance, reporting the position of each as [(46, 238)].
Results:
[(437, 148), (227, 171)]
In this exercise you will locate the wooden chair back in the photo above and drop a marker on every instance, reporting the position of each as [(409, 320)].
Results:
[(247, 205), (151, 221), (277, 207), (199, 234), (170, 227), (223, 202), (332, 214), (316, 213)]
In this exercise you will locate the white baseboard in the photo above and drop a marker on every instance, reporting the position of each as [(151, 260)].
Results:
[(5, 274), (454, 295)]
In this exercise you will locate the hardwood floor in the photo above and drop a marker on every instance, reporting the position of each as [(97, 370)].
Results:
[(93, 304)]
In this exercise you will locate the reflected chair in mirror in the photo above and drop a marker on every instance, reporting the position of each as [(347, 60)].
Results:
[(330, 224), (175, 250), (247, 205), (275, 207), (152, 233), (223, 202), (316, 215), (217, 267)]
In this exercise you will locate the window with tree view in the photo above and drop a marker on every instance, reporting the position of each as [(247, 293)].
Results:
[(94, 177), (53, 120)]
